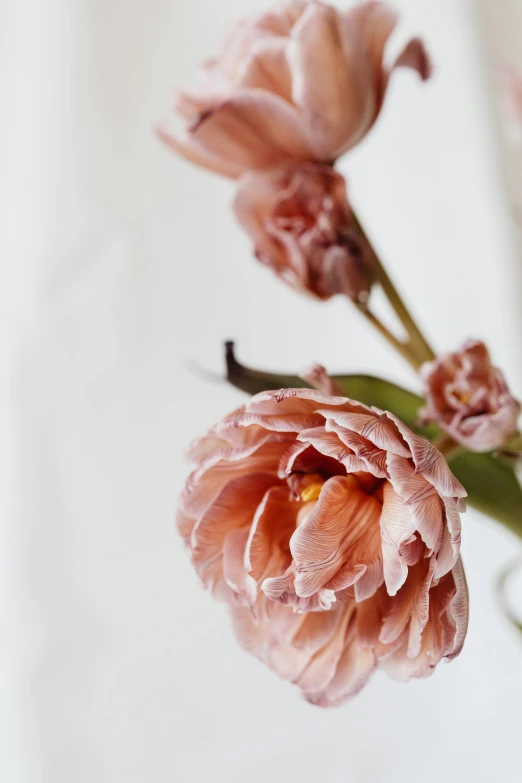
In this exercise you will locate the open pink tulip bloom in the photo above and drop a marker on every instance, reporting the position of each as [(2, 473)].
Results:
[(304, 81), (332, 531)]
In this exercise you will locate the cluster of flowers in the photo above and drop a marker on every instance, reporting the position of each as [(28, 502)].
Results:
[(330, 528), (293, 90)]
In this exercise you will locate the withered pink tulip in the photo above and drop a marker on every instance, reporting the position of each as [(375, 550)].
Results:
[(304, 81), (333, 533), (302, 228), (469, 398)]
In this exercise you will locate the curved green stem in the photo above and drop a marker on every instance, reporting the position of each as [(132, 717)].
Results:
[(417, 347), (400, 347)]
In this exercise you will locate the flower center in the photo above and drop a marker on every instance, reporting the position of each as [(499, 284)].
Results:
[(463, 397), (313, 483), (312, 492)]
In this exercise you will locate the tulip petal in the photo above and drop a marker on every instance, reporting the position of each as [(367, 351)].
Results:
[(420, 610), (273, 524), (188, 148), (207, 481), (233, 556), (267, 68), (339, 538), (282, 589), (422, 499), (374, 427), (450, 546), (373, 23), (373, 457), (397, 528), (430, 462), (231, 445), (372, 578), (290, 653), (185, 525), (323, 666), (354, 669), (370, 25), (331, 85), (303, 400), (253, 129), (369, 620), (415, 56), (233, 508), (303, 458), (330, 446), (459, 609)]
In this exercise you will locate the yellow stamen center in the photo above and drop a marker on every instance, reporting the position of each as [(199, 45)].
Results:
[(312, 491)]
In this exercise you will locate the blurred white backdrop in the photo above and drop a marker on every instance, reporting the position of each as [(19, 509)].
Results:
[(122, 263)]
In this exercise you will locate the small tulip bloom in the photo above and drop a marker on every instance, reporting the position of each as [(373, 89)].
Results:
[(332, 532), (469, 398), (302, 228), (302, 82)]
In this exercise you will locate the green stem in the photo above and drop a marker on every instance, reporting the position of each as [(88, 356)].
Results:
[(417, 347), (400, 347)]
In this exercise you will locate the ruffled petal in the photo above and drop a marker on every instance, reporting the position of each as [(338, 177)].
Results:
[(282, 589), (323, 666), (207, 481), (339, 539), (328, 444), (397, 529), (269, 537), (234, 571), (374, 427), (353, 670), (429, 462), (233, 508), (422, 499), (459, 609), (373, 457), (448, 553)]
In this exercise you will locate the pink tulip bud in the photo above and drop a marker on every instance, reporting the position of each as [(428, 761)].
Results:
[(302, 82), (301, 224), (469, 398), (333, 534)]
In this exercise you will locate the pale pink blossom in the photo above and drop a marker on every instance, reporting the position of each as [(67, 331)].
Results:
[(302, 228), (305, 81), (469, 398), (332, 531)]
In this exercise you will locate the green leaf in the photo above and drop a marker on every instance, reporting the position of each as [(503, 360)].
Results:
[(492, 487), (489, 479)]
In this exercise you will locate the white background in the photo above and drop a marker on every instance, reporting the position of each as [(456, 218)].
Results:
[(121, 264)]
